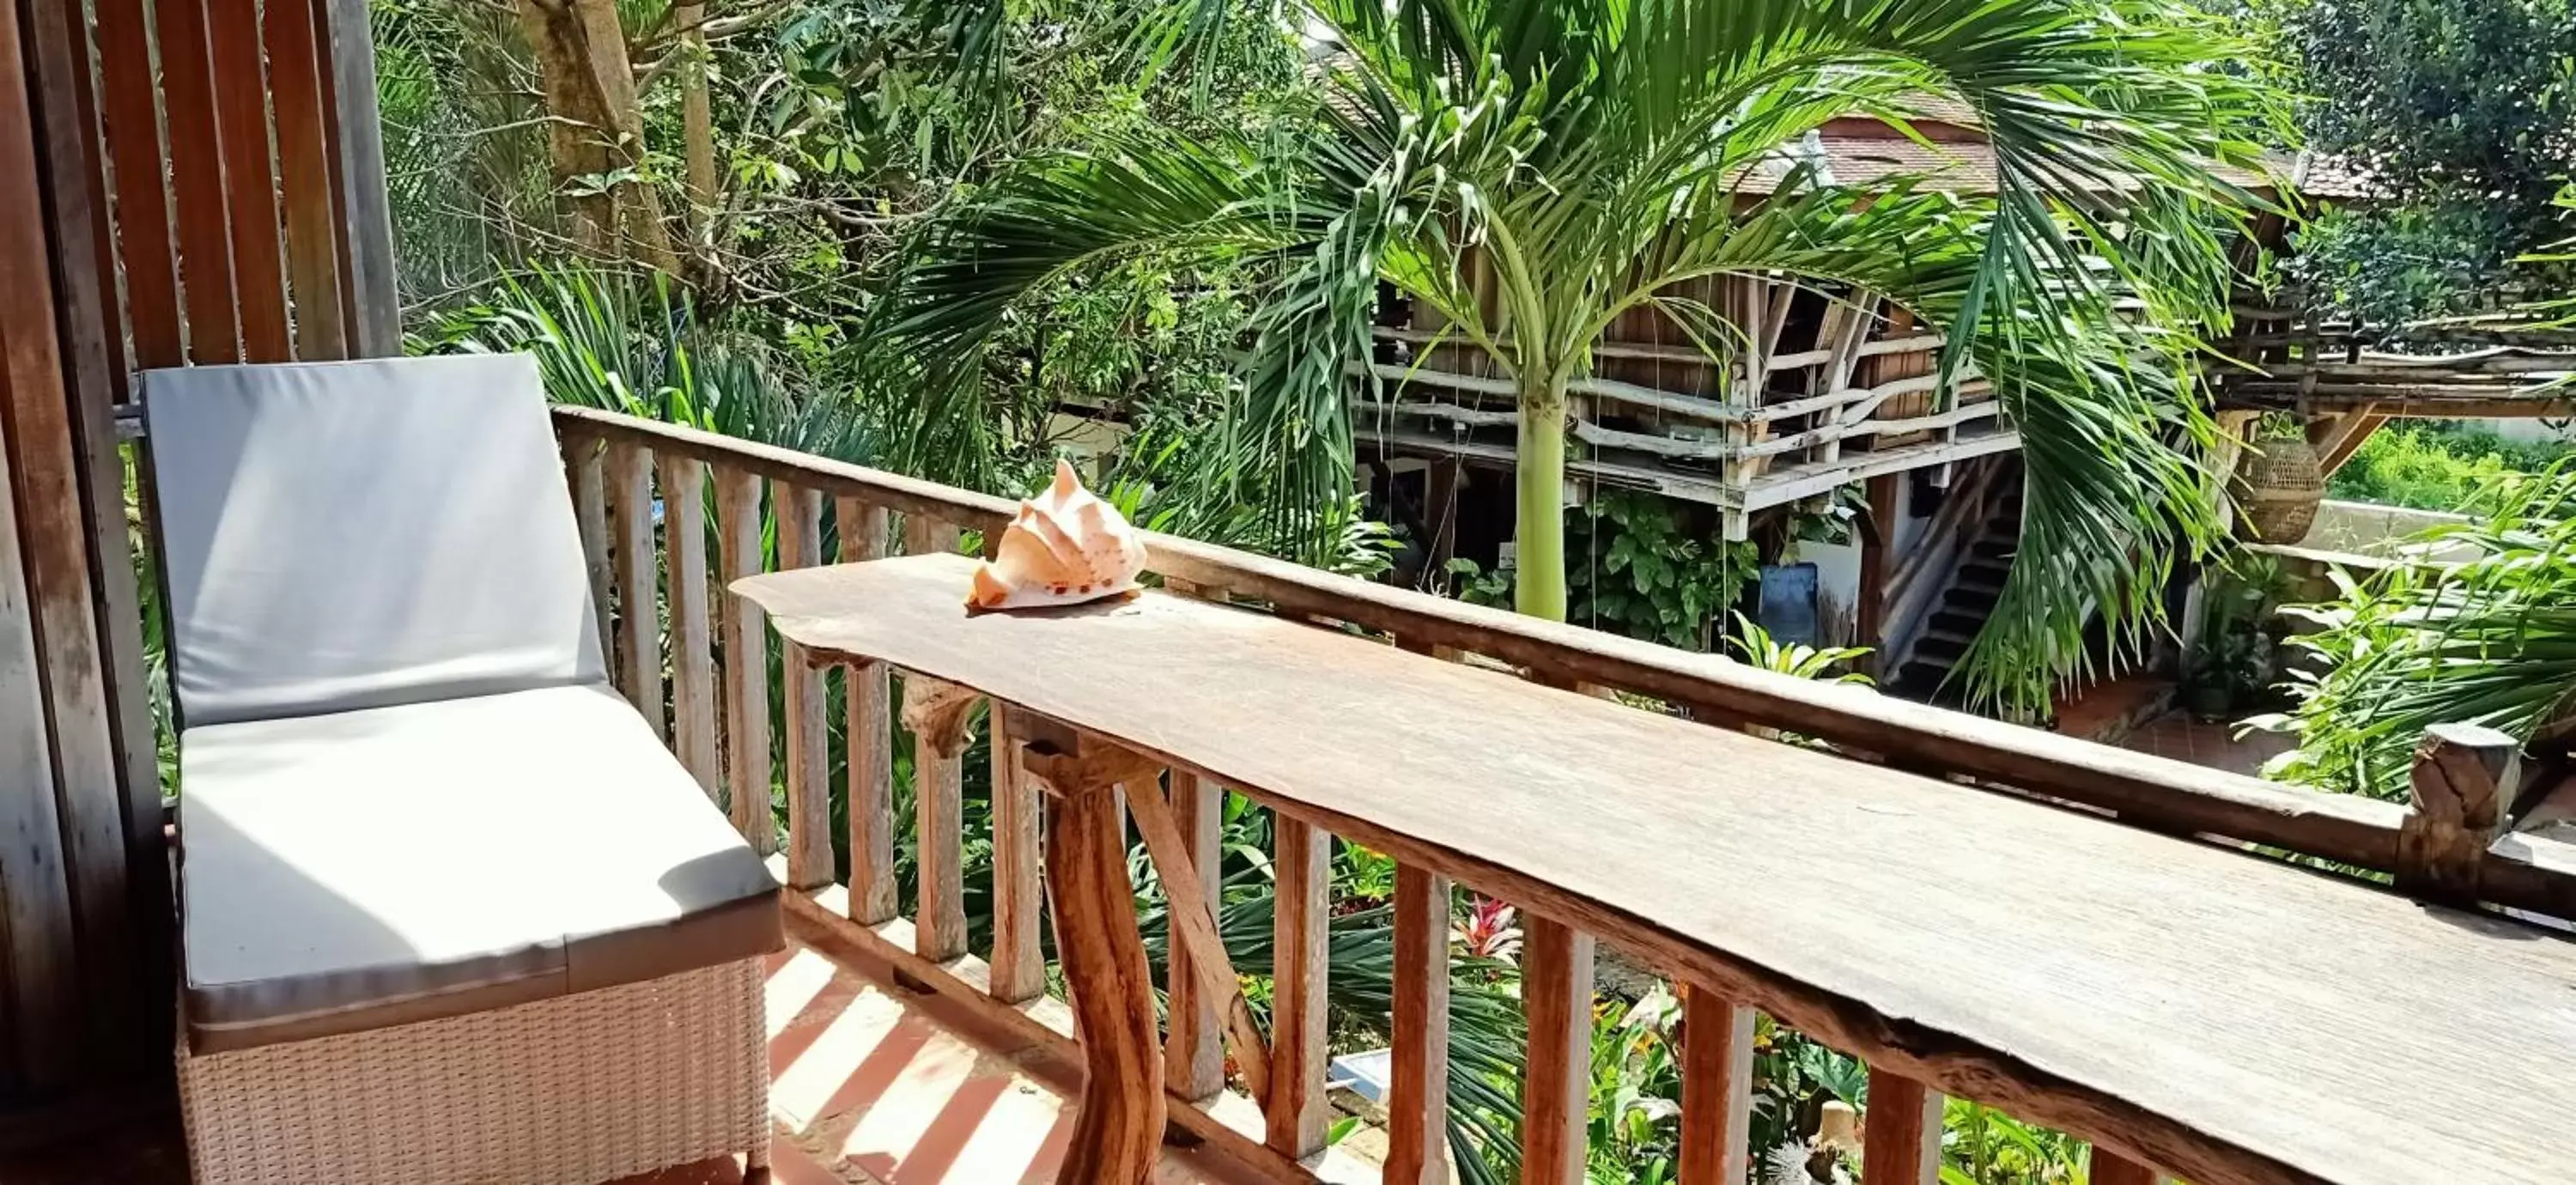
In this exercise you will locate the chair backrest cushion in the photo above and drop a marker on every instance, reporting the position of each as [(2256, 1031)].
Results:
[(348, 535)]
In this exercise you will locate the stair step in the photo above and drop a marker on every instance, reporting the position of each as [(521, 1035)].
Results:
[(1949, 620), (1949, 638)]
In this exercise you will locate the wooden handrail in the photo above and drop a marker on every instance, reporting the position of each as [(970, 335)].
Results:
[(2140, 789), (2444, 848)]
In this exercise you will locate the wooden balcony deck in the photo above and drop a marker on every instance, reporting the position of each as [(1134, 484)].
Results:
[(870, 1084)]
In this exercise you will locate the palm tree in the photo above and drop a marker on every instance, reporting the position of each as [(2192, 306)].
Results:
[(1586, 154)]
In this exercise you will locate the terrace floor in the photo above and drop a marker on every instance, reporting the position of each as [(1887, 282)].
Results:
[(868, 1086)]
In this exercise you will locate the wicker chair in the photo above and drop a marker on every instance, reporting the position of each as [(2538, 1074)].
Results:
[(450, 911)]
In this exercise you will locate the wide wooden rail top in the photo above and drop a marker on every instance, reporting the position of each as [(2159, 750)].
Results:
[(2218, 1014)]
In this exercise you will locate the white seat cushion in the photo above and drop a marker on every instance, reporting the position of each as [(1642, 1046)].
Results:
[(345, 535), (350, 871)]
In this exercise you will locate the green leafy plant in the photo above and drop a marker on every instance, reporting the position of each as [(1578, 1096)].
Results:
[(1754, 645), (2490, 640), (2436, 464), (1640, 570)]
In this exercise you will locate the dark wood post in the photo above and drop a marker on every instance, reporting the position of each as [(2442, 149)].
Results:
[(2463, 779)]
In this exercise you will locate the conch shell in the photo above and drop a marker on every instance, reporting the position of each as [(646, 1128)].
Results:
[(1066, 546)]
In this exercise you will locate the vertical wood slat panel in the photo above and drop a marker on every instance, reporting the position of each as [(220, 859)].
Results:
[(310, 207), (1018, 962), (799, 511), (1295, 1110), (1903, 1144), (1717, 1089), (36, 897), (131, 1013), (1556, 993), (587, 474), (1194, 1051), (639, 612), (939, 921), (250, 186), (1418, 1096), (49, 182), (744, 636), (197, 181), (693, 671), (371, 312), (132, 122), (867, 701)]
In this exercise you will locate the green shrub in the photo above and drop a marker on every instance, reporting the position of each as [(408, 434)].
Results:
[(2436, 465)]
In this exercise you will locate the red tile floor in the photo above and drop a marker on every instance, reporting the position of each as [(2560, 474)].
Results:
[(869, 1087), (2183, 737)]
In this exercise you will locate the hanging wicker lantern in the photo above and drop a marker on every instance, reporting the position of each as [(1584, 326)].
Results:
[(2280, 486)]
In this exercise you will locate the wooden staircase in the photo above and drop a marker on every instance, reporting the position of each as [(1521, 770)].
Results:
[(1965, 603)]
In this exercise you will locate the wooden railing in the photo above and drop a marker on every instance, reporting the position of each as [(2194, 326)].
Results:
[(2445, 847)]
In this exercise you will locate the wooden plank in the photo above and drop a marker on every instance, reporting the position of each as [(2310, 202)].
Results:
[(1192, 911), (197, 180), (310, 206), (869, 733), (132, 123), (1194, 1051), (1556, 994), (1839, 911), (693, 670), (48, 880), (746, 662), (1417, 1108), (1717, 1089), (372, 314), (636, 574), (1903, 1146), (938, 795), (1118, 1133), (1301, 861), (799, 513), (1227, 1128), (2151, 791), (1019, 885), (250, 185)]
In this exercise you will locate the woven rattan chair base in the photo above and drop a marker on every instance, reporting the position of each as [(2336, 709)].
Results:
[(570, 1091)]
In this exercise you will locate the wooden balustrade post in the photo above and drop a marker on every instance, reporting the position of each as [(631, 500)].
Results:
[(2463, 784), (1717, 1089), (746, 662), (1118, 1130), (1903, 1144), (1556, 995), (1295, 1110), (868, 703), (693, 670), (1195, 1049), (2111, 1168), (1019, 962), (584, 468), (1197, 949), (938, 714), (639, 610), (799, 513), (1418, 1096)]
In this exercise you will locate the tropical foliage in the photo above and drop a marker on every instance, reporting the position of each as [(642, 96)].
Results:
[(2436, 464), (1587, 155), (2481, 641), (2461, 116)]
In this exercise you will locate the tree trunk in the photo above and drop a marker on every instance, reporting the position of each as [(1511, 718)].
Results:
[(598, 124), (1538, 586), (697, 120)]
